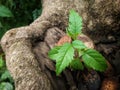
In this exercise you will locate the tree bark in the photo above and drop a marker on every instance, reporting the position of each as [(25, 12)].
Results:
[(26, 47)]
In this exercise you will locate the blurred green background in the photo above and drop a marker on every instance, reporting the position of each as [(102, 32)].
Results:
[(15, 13)]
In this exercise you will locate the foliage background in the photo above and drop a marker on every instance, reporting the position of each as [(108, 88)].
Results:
[(24, 12), (16, 13)]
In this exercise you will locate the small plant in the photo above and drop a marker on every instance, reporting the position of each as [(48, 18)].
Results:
[(75, 54)]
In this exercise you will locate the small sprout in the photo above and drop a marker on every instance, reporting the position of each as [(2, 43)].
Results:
[(73, 53)]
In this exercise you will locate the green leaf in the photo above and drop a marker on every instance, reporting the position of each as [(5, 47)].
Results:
[(36, 13), (66, 53), (77, 44), (75, 24), (5, 12), (76, 64), (2, 63), (53, 53), (6, 86), (6, 75), (94, 59)]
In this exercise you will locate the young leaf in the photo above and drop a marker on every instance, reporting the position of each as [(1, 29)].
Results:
[(77, 44), (77, 64), (5, 12), (75, 24), (53, 53), (66, 53), (94, 59)]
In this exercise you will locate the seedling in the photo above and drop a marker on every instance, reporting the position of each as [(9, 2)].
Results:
[(75, 54)]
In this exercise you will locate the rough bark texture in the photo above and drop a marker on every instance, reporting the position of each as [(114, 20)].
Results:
[(26, 47)]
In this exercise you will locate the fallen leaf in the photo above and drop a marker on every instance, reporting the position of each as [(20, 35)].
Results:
[(64, 39)]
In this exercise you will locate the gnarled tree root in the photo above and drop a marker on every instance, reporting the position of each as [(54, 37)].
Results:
[(26, 47)]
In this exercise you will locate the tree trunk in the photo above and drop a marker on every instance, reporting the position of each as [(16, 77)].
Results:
[(26, 47)]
